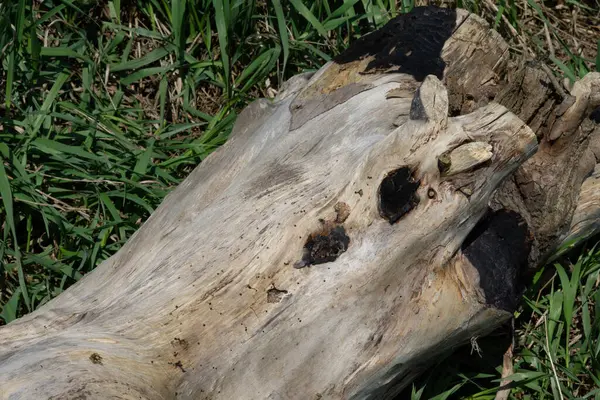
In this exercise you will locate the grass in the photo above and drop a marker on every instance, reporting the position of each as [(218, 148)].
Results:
[(106, 106)]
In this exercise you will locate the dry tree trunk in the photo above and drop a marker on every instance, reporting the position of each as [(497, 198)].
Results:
[(374, 216)]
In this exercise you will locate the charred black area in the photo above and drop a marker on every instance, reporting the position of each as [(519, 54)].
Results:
[(410, 43), (498, 247), (398, 194), (595, 115), (325, 246)]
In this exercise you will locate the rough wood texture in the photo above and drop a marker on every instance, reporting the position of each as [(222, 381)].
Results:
[(323, 252)]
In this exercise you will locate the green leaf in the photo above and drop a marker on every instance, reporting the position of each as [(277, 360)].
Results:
[(283, 34), (56, 148), (177, 15), (56, 266), (108, 203), (20, 23), (149, 58), (7, 201), (540, 12), (133, 198), (568, 294), (568, 71), (222, 33), (416, 394), (145, 72), (47, 16), (255, 66), (141, 166), (49, 101), (63, 52), (305, 12), (4, 151), (175, 129), (9, 310), (446, 395), (341, 10), (555, 311), (10, 73)]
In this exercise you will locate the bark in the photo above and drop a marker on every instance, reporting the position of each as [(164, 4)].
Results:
[(374, 216)]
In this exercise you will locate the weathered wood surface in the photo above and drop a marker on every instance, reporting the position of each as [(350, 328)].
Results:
[(375, 215)]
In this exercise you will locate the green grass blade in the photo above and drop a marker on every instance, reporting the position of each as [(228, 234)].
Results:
[(305, 12), (57, 148), (254, 67), (177, 15), (554, 311), (141, 166), (114, 10), (7, 201), (20, 23), (149, 58), (446, 395), (568, 294), (567, 71), (56, 266), (133, 198), (341, 10), (48, 101), (9, 310), (416, 394), (110, 206), (48, 15), (334, 23), (498, 16), (10, 73), (222, 33), (144, 73), (586, 320), (63, 52), (283, 34)]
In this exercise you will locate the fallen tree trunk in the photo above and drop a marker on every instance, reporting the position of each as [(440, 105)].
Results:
[(374, 216)]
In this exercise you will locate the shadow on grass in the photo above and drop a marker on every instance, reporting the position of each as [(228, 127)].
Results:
[(470, 369)]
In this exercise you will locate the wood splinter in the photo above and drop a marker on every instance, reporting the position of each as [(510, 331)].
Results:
[(465, 158)]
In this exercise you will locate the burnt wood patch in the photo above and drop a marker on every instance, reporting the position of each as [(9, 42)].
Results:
[(324, 246), (498, 247), (410, 43), (397, 194)]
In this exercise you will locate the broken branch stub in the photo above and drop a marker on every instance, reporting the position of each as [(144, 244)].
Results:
[(364, 223)]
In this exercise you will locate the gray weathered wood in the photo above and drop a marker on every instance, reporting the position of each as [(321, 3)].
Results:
[(324, 252)]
